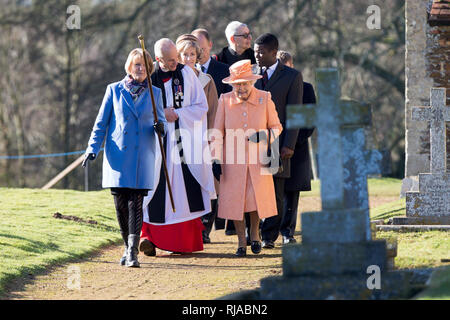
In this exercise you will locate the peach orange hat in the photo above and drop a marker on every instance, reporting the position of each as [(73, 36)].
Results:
[(241, 71)]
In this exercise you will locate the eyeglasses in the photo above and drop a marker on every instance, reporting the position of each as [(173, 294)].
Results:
[(245, 35)]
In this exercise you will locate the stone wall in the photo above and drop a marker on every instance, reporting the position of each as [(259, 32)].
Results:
[(427, 65)]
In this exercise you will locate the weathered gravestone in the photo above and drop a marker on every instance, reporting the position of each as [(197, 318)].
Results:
[(336, 250), (431, 205)]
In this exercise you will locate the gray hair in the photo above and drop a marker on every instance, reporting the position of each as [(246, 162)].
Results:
[(162, 45), (284, 56), (232, 28)]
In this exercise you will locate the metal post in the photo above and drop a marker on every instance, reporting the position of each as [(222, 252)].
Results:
[(86, 177)]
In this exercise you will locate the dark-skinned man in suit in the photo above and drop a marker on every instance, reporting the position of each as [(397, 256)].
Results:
[(286, 87), (300, 179)]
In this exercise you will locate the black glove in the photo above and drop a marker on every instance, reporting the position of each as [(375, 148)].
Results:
[(258, 136), (159, 127), (217, 169), (87, 157)]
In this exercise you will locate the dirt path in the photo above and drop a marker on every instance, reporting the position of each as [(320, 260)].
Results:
[(209, 274)]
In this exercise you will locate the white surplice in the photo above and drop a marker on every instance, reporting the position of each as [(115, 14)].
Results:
[(193, 128)]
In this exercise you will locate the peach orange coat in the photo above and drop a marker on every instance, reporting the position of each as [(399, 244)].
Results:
[(244, 118)]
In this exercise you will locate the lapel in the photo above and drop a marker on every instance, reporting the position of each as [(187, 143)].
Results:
[(258, 84), (211, 68), (126, 96), (275, 76), (141, 102)]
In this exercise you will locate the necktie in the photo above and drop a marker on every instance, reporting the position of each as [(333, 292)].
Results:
[(265, 79), (203, 69)]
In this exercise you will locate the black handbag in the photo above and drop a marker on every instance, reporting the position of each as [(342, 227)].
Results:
[(274, 156)]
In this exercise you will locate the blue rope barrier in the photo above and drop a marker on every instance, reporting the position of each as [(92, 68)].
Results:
[(51, 155)]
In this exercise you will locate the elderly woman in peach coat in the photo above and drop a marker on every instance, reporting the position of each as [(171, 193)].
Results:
[(239, 145)]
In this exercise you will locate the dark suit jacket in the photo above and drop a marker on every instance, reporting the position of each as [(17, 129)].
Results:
[(286, 87), (218, 72), (229, 56), (300, 179)]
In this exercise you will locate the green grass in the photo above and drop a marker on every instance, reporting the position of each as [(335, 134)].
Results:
[(385, 187), (389, 210), (420, 249), (31, 239), (439, 288)]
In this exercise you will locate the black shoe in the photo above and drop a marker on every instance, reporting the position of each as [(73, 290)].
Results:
[(206, 238), (288, 240), (230, 232), (256, 247), (147, 247), (267, 244), (132, 252), (241, 252)]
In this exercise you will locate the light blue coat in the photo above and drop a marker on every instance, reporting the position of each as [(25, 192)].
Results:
[(130, 144)]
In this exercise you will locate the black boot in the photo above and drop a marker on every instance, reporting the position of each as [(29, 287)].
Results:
[(121, 203), (132, 252), (134, 228), (208, 220), (124, 257)]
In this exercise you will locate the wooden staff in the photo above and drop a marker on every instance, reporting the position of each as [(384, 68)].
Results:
[(155, 116)]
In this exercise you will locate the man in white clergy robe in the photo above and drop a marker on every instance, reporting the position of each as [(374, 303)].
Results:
[(188, 161)]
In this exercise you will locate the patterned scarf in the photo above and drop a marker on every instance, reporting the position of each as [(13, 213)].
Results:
[(135, 88)]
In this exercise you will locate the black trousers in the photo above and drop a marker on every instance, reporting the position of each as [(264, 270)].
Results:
[(271, 226), (209, 218), (290, 209), (129, 212)]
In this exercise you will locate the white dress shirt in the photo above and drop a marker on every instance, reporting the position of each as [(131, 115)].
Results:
[(271, 69)]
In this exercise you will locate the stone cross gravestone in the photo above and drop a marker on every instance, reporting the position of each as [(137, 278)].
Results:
[(336, 249), (336, 224), (431, 205), (359, 162)]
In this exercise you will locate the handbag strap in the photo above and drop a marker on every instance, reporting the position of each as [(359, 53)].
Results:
[(269, 145)]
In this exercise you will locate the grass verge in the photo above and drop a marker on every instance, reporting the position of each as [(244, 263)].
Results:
[(31, 239)]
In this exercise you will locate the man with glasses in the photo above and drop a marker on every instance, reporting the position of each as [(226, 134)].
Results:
[(240, 41)]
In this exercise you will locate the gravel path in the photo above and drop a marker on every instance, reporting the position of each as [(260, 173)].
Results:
[(208, 274)]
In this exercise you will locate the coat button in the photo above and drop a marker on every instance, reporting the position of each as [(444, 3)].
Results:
[(244, 114), (125, 132), (124, 147), (245, 125), (137, 133)]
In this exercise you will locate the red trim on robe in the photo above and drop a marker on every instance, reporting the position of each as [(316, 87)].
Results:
[(179, 237)]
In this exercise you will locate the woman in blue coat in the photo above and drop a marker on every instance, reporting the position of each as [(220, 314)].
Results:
[(125, 120)]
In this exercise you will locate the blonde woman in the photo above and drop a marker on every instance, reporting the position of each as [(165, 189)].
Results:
[(125, 120), (189, 53)]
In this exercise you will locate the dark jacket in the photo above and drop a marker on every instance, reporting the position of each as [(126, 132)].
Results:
[(300, 179), (286, 87), (218, 72), (229, 56)]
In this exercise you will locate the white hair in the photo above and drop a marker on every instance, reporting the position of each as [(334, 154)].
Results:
[(162, 45), (232, 28)]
